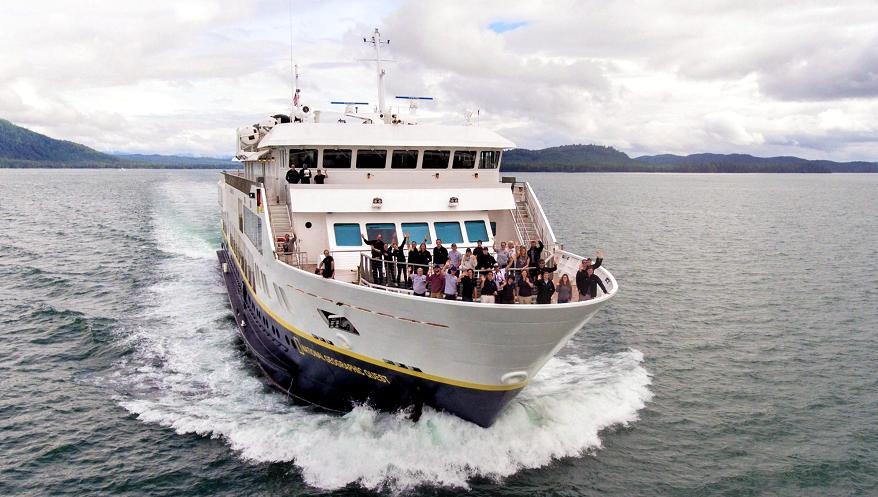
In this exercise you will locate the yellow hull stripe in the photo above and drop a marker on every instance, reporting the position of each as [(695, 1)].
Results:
[(370, 360)]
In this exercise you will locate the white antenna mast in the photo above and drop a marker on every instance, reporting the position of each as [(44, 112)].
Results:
[(295, 67), (377, 41)]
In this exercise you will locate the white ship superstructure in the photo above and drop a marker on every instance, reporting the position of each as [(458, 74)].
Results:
[(335, 342)]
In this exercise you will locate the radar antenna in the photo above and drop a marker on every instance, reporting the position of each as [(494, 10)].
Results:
[(377, 41)]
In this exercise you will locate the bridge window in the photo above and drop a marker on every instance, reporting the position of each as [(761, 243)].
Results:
[(347, 235), (418, 232), (436, 159), (404, 159), (386, 230), (489, 159), (464, 159), (303, 157), (448, 232), (475, 231), (337, 158), (371, 159)]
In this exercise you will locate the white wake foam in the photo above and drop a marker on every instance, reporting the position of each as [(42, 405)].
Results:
[(189, 375)]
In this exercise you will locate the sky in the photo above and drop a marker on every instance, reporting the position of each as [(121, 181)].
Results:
[(725, 76)]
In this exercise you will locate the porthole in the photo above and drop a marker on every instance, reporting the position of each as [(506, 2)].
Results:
[(308, 224)]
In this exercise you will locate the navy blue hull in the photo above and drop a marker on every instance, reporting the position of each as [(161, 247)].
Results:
[(319, 375)]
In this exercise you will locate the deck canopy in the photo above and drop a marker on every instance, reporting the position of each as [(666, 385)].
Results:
[(321, 198), (383, 136)]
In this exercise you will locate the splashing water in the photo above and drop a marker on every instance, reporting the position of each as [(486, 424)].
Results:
[(189, 374)]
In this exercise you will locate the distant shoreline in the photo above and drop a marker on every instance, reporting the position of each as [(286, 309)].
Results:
[(515, 171)]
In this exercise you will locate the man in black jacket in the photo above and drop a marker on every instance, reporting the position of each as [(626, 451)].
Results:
[(534, 253), (586, 281), (397, 253), (440, 253), (377, 261)]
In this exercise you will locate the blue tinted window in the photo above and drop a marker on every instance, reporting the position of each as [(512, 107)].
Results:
[(386, 230), (347, 235), (475, 231), (418, 232), (448, 232)]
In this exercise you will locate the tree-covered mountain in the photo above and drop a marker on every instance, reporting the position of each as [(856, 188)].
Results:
[(21, 147), (595, 158)]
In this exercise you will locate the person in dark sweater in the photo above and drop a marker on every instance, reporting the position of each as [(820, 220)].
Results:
[(545, 288), (397, 253), (525, 289), (440, 253), (377, 261), (506, 295), (293, 176), (534, 253), (467, 286), (587, 282), (489, 289), (327, 265)]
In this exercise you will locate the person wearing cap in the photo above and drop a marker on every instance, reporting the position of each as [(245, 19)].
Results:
[(451, 284), (455, 256), (436, 282)]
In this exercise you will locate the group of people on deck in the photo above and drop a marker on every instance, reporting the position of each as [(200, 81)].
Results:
[(512, 274)]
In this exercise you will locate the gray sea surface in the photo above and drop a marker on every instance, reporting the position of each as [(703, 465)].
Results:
[(739, 358)]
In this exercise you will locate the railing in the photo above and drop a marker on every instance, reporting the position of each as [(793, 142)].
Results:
[(239, 183), (370, 275)]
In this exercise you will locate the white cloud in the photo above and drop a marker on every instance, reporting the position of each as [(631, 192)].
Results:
[(718, 76)]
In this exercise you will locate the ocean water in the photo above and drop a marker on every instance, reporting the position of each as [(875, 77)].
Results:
[(740, 357)]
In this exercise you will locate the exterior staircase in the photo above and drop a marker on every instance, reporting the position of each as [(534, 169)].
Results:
[(524, 223), (280, 220)]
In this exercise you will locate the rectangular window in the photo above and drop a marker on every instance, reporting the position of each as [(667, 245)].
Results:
[(337, 158), (448, 232), (475, 231), (386, 230), (493, 228), (436, 159), (464, 159), (347, 235), (253, 228), (303, 157), (404, 159), (418, 232), (489, 159), (371, 159)]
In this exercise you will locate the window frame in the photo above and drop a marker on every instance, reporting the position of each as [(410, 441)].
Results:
[(481, 155), (386, 239), (448, 240), (314, 164), (356, 161), (417, 152), (323, 158), (424, 154), (471, 166), (426, 224), (484, 228), (335, 234)]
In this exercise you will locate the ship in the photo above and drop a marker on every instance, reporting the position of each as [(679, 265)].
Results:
[(311, 183)]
